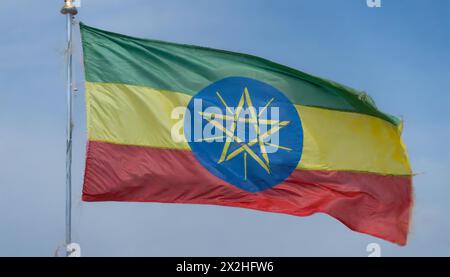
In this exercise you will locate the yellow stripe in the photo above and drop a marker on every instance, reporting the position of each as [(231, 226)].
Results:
[(333, 140)]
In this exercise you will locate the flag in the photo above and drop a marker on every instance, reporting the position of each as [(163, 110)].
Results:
[(176, 123)]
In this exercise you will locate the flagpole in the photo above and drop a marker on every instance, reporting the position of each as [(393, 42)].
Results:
[(69, 10)]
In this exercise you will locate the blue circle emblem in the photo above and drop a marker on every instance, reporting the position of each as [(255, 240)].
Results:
[(245, 132)]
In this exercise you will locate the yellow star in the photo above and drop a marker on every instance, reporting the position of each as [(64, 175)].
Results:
[(256, 121)]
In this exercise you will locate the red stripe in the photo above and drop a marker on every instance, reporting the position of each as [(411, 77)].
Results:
[(368, 203)]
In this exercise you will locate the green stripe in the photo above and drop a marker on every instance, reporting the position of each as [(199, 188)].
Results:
[(116, 58)]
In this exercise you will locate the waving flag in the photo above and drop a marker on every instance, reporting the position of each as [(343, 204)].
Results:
[(185, 124)]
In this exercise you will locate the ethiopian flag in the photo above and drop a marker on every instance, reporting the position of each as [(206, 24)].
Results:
[(177, 123)]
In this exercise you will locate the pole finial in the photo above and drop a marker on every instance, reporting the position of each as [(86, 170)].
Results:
[(69, 8)]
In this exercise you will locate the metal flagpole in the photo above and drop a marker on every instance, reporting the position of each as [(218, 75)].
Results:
[(69, 10)]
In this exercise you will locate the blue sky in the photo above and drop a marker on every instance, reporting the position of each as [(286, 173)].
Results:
[(399, 54)]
